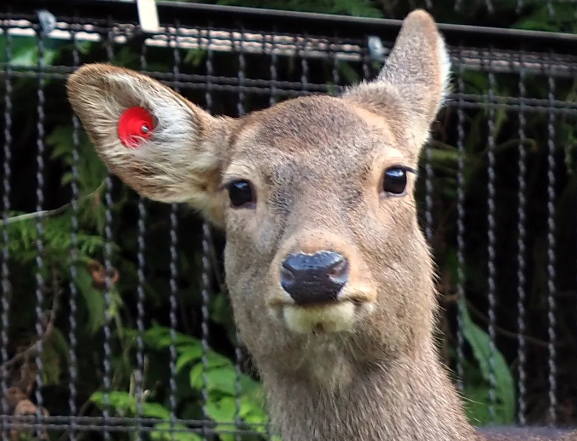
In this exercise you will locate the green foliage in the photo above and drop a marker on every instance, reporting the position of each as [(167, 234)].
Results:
[(232, 396), (490, 365), (126, 405), (25, 51), (56, 239), (358, 8), (541, 19)]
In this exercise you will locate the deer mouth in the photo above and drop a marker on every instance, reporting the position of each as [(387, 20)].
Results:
[(320, 318)]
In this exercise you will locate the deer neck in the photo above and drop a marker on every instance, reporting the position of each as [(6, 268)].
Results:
[(408, 399)]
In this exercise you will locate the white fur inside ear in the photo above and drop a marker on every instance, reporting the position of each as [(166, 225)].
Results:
[(176, 128), (444, 68)]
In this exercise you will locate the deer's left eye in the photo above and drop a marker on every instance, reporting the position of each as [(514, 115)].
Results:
[(241, 194), (395, 181)]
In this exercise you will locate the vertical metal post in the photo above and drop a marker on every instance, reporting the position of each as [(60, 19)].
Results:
[(491, 244), (6, 287), (521, 250)]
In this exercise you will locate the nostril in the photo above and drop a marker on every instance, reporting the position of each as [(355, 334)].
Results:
[(287, 274), (340, 270), (287, 277)]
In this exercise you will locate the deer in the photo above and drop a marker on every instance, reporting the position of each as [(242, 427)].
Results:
[(330, 278)]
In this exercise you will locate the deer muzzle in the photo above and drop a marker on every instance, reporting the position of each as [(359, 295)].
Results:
[(320, 292)]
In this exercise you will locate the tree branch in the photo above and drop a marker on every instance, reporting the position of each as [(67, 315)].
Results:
[(47, 213), (35, 347)]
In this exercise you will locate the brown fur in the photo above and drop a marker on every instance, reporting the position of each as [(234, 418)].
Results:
[(316, 164)]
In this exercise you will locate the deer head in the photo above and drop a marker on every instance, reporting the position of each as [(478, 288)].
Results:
[(315, 196)]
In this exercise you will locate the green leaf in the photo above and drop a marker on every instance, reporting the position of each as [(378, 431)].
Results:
[(213, 361), (195, 57), (91, 169), (56, 238), (188, 355), (127, 404), (357, 8), (122, 402), (350, 74), (25, 51), (162, 432), (60, 344), (223, 412), (251, 410), (155, 410), (253, 413), (160, 337), (52, 368), (476, 405), (223, 379), (93, 298), (505, 387), (534, 25)]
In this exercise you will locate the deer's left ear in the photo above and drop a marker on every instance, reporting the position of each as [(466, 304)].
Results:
[(416, 76)]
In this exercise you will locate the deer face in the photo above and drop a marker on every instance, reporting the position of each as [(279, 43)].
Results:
[(320, 218), (315, 195)]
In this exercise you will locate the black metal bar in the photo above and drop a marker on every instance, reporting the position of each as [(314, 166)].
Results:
[(268, 20)]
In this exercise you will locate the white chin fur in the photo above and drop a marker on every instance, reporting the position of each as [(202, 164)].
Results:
[(326, 318)]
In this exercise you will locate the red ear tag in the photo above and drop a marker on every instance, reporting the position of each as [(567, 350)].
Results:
[(134, 125)]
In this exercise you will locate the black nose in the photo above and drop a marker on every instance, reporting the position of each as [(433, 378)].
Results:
[(315, 278)]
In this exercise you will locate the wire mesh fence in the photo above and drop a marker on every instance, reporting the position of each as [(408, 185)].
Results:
[(115, 322)]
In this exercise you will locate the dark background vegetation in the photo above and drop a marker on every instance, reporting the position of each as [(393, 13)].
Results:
[(71, 298)]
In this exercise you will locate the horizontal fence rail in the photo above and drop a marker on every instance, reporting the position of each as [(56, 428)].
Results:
[(114, 320)]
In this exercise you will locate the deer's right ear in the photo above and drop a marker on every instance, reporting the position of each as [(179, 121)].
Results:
[(157, 142)]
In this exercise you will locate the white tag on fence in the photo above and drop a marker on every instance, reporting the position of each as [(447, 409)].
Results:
[(148, 15)]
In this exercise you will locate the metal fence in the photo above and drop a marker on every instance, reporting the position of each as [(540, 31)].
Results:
[(114, 319)]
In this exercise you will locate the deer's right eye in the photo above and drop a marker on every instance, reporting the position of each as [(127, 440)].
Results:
[(241, 194)]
